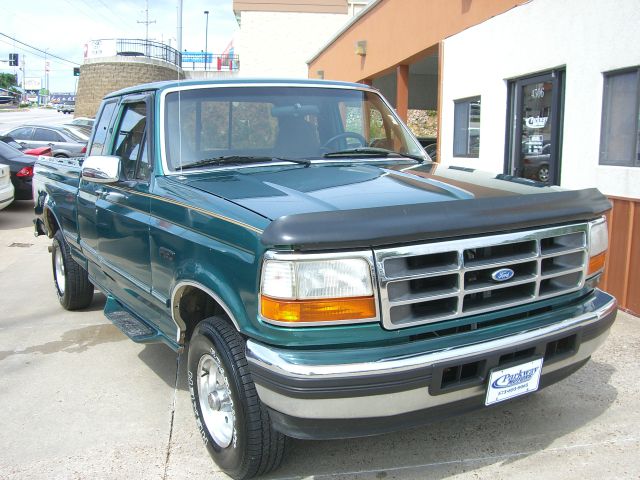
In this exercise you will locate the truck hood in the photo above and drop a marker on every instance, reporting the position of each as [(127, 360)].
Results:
[(276, 192), (367, 204)]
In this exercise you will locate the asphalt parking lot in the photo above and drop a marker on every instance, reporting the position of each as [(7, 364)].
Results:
[(78, 400)]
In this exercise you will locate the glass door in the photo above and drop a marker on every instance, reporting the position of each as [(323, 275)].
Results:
[(535, 127)]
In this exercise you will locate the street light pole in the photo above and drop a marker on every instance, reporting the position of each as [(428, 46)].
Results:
[(206, 39), (179, 29)]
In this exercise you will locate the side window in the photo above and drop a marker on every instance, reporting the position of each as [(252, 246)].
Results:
[(130, 139), (44, 135), (620, 132), (466, 128), (21, 133), (102, 129)]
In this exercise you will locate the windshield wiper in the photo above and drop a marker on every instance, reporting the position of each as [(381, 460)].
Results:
[(239, 159), (379, 152)]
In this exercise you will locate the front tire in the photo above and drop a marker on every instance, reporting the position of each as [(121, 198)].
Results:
[(234, 424), (70, 280)]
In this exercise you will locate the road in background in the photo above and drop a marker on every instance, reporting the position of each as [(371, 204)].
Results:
[(78, 400), (10, 119)]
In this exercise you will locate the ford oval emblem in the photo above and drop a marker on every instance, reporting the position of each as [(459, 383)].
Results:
[(503, 275)]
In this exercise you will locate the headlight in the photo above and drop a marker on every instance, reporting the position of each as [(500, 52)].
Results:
[(317, 291), (598, 244)]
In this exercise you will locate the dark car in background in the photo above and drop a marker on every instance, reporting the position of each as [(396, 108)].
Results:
[(64, 142), (21, 167), (36, 152), (537, 166)]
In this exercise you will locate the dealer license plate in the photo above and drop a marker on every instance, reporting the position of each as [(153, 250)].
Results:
[(512, 382)]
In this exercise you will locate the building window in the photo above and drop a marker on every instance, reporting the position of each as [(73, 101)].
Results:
[(466, 127), (620, 132)]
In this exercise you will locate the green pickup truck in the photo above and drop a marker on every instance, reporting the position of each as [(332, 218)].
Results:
[(327, 279)]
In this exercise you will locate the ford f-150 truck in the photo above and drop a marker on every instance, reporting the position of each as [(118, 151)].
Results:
[(326, 278)]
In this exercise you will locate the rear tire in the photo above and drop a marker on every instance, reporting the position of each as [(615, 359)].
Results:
[(71, 281), (234, 425)]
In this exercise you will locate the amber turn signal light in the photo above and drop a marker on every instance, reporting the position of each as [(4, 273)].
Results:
[(596, 263), (317, 310)]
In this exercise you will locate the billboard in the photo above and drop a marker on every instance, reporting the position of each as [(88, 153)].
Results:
[(32, 83), (62, 97)]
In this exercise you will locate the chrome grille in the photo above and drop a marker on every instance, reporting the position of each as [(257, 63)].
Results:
[(432, 282)]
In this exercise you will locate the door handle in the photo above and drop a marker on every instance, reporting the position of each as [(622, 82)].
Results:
[(113, 196)]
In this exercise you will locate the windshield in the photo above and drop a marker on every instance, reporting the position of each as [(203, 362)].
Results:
[(282, 123), (76, 134)]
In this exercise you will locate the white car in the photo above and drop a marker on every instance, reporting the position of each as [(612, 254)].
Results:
[(6, 187)]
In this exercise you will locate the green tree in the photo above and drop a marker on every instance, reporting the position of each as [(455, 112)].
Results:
[(7, 80)]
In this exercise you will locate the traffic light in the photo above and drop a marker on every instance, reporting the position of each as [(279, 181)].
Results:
[(76, 71), (13, 59)]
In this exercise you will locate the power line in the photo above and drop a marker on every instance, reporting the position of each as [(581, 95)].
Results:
[(39, 50), (119, 20)]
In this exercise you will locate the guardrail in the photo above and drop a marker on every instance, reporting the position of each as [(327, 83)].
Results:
[(127, 47), (135, 47)]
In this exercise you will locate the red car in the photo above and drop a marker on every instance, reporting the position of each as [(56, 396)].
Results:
[(36, 152)]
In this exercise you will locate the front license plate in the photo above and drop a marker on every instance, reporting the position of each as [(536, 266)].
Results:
[(511, 382)]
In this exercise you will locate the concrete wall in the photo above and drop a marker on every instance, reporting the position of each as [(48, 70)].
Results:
[(586, 37), (105, 75), (278, 44)]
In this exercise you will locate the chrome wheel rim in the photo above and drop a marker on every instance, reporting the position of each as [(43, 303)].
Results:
[(543, 174), (214, 397), (59, 271)]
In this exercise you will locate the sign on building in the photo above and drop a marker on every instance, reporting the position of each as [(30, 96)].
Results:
[(100, 48)]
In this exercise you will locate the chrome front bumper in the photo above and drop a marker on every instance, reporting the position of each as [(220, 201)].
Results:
[(397, 386)]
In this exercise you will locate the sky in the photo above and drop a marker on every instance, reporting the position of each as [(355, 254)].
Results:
[(62, 27)]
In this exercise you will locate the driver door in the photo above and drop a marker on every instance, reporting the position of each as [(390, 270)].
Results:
[(123, 208)]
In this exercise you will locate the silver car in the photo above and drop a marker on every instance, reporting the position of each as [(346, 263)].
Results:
[(64, 142)]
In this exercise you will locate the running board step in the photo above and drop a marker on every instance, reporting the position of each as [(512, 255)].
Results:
[(133, 327)]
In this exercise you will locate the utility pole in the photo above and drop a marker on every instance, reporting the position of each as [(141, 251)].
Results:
[(206, 39), (46, 74), (146, 24), (24, 73)]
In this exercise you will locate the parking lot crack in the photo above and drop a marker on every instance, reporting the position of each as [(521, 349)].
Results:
[(173, 412)]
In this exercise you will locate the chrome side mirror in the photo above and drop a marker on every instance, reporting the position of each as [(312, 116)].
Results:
[(101, 169)]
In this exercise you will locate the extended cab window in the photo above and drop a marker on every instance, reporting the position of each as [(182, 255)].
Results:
[(215, 127), (366, 119), (130, 140)]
